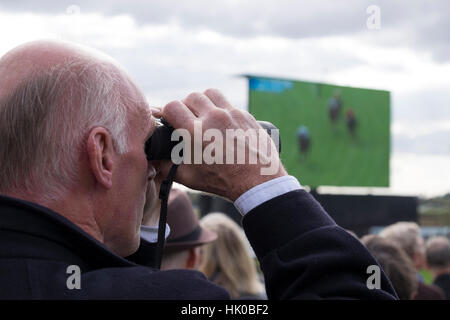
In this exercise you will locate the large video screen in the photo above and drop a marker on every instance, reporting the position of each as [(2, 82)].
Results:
[(331, 135)]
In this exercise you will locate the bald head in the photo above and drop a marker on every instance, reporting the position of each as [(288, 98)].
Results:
[(42, 56), (51, 94), (73, 127)]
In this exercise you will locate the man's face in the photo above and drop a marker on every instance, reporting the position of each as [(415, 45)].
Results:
[(130, 181)]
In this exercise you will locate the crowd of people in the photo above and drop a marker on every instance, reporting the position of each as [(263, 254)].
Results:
[(79, 210), (400, 250), (226, 257)]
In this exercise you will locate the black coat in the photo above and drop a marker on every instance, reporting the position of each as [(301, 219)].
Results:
[(302, 253), (443, 282), (38, 245)]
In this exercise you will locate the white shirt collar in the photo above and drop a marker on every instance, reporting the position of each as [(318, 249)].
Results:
[(150, 233)]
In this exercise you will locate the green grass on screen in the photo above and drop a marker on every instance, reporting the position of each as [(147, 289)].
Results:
[(335, 156)]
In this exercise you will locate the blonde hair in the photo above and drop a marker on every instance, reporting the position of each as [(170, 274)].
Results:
[(228, 261)]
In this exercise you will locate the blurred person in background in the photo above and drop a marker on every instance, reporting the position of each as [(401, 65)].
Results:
[(350, 120), (228, 261), (395, 263), (438, 259), (304, 141), (407, 236), (183, 246), (334, 107)]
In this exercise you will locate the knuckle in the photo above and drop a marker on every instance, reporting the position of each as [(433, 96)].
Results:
[(194, 98), (212, 92), (220, 115), (236, 113), (171, 107)]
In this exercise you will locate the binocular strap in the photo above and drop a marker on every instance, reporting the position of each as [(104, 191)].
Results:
[(164, 196)]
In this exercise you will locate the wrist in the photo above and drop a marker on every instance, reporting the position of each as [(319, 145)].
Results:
[(247, 181)]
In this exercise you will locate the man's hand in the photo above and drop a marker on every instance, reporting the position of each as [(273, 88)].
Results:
[(214, 112)]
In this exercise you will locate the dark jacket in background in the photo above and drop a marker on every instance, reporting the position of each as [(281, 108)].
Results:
[(428, 292), (443, 282), (302, 253)]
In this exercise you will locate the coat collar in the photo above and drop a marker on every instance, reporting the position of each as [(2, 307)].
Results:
[(63, 238)]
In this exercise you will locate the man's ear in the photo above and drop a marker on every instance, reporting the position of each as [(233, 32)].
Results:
[(193, 259), (101, 154)]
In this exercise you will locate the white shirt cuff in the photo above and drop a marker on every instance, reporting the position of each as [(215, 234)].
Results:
[(150, 233), (265, 192)]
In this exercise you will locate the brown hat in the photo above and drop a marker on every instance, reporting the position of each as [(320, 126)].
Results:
[(185, 231)]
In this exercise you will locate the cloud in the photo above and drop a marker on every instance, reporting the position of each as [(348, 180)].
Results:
[(171, 54), (420, 174), (422, 25), (427, 103), (418, 128), (436, 142)]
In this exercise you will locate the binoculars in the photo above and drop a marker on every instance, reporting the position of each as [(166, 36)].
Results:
[(159, 146)]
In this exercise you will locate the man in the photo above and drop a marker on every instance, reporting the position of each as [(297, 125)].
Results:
[(183, 246), (438, 259), (351, 122), (74, 179), (334, 107), (304, 141), (407, 236)]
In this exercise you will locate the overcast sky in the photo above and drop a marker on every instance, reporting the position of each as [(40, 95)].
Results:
[(174, 47)]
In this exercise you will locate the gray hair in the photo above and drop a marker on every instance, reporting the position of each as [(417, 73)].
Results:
[(406, 235), (438, 252), (45, 121)]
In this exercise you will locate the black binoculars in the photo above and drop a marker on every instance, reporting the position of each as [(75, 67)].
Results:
[(159, 146)]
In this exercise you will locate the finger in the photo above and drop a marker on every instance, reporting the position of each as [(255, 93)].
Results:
[(156, 112), (178, 115), (218, 99), (199, 104)]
